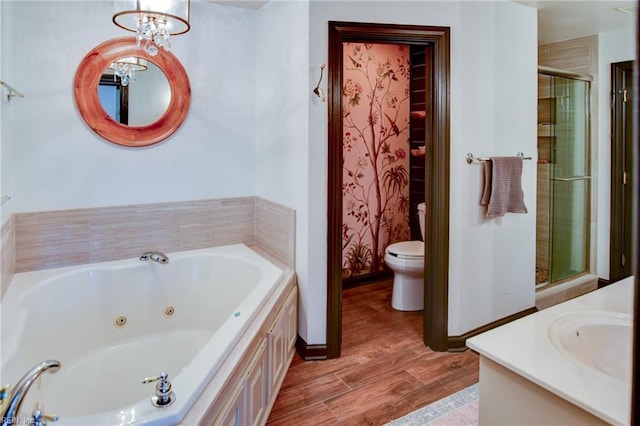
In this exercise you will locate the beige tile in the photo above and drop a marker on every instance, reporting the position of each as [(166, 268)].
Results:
[(546, 110), (544, 148), (543, 203), (7, 254), (542, 254), (221, 222), (581, 289), (550, 300), (593, 54), (24, 219), (558, 293), (572, 55), (124, 232), (71, 237), (543, 54), (544, 85), (275, 230), (54, 239)]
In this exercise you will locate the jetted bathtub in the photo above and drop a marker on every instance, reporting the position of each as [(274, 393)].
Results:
[(113, 324)]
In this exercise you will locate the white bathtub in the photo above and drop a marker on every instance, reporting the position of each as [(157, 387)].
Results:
[(70, 314)]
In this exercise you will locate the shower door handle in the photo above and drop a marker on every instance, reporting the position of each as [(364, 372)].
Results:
[(571, 179)]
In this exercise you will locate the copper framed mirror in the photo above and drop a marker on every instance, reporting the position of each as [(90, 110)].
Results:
[(106, 124)]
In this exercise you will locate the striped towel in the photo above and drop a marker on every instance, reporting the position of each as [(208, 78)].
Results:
[(502, 186)]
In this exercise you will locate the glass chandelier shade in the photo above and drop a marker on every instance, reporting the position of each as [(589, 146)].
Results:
[(125, 68), (153, 21)]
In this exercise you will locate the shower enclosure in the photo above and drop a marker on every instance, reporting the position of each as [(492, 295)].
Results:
[(564, 180)]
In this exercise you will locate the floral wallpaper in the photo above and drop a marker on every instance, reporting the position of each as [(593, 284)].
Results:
[(375, 188)]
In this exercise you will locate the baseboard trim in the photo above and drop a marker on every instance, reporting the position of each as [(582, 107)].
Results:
[(311, 352), (386, 274), (455, 343), (458, 343)]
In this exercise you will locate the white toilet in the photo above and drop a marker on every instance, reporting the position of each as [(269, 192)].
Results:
[(406, 260)]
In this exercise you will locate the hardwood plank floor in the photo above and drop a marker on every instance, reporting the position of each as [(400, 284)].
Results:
[(385, 370)]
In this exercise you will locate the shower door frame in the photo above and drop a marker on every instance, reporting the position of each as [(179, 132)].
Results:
[(435, 329), (555, 72)]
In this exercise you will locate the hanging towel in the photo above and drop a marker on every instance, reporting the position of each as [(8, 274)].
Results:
[(502, 191)]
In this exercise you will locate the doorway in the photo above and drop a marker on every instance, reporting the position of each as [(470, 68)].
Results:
[(383, 153), (621, 246), (435, 41)]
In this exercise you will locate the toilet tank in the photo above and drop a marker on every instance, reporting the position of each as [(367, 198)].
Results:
[(421, 210)]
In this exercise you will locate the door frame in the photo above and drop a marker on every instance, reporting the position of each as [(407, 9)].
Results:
[(436, 174), (621, 162)]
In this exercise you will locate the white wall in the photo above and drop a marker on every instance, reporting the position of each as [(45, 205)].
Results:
[(492, 262), (57, 162), (614, 46), (4, 189), (282, 138), (255, 128), (493, 112)]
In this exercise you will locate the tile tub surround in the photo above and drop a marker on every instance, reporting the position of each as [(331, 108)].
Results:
[(53, 239), (7, 255), (523, 348), (275, 230)]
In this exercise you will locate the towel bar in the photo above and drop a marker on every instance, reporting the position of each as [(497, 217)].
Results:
[(571, 179), (471, 158)]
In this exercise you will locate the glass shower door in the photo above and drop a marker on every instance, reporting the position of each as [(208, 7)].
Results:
[(569, 180)]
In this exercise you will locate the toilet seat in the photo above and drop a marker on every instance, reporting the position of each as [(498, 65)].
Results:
[(409, 250)]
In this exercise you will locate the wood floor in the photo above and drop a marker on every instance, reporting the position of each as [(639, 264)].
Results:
[(384, 372)]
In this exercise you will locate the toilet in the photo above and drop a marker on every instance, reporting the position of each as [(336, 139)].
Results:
[(406, 260)]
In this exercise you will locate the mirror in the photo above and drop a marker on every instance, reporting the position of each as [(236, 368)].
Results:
[(163, 109), (134, 91)]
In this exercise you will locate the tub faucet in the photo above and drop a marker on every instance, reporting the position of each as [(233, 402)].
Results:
[(156, 256), (40, 419), (164, 395), (17, 394)]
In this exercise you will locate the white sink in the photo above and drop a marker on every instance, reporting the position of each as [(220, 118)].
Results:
[(600, 340)]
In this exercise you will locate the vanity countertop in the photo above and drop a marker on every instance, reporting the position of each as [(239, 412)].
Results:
[(524, 346)]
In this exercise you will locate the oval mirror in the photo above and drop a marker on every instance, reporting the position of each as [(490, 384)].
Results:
[(163, 110)]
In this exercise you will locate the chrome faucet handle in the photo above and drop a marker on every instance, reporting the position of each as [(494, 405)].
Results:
[(164, 395), (163, 376), (9, 414), (41, 419), (151, 379)]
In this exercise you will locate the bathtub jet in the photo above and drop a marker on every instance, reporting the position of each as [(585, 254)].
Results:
[(155, 256)]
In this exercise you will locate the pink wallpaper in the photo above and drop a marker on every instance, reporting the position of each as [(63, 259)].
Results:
[(375, 108)]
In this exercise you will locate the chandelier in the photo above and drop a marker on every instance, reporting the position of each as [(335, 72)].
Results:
[(153, 21), (125, 68)]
